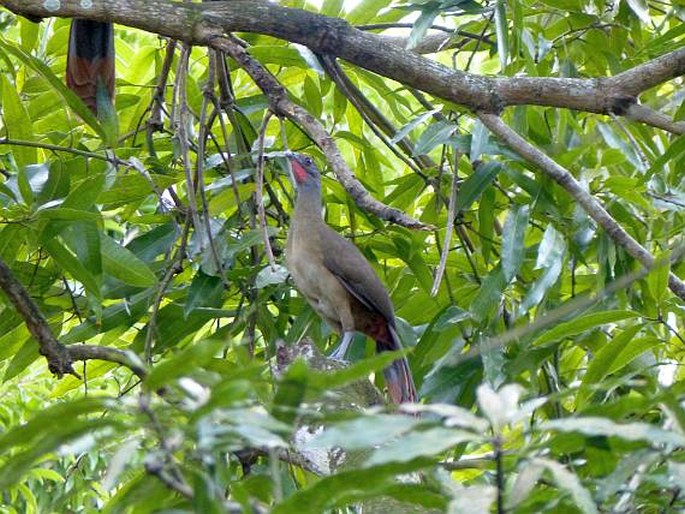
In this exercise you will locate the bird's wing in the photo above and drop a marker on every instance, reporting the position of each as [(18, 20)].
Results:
[(344, 260)]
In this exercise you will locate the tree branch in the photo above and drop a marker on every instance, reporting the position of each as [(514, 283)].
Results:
[(589, 204), (60, 357), (199, 24), (283, 106), (641, 113), (57, 355)]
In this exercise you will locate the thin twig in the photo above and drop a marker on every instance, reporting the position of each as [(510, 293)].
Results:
[(259, 193), (181, 122), (641, 155), (497, 446), (56, 148), (451, 212), (207, 100)]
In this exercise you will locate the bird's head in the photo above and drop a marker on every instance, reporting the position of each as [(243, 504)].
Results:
[(304, 168)]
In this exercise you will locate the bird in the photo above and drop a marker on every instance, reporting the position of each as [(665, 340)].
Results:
[(338, 282), (90, 64)]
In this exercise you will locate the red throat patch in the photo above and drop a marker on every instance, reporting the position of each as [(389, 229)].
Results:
[(299, 172)]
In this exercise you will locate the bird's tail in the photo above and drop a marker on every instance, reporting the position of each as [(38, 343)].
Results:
[(398, 376), (90, 62), (400, 382)]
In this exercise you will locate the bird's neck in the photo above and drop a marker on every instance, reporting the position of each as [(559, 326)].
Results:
[(308, 203)]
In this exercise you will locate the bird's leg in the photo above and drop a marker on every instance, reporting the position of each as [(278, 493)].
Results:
[(340, 352)]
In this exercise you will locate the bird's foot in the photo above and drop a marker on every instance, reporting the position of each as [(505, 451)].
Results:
[(339, 354)]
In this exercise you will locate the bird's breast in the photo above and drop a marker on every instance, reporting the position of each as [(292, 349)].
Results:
[(318, 285)]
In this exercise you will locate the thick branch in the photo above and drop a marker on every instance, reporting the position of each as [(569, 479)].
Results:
[(652, 73), (59, 360), (199, 23), (60, 357), (591, 206)]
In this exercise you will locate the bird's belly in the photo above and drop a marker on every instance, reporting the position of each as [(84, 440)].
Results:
[(322, 290)]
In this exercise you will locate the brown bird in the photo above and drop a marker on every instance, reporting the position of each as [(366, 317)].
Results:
[(338, 282), (90, 64)]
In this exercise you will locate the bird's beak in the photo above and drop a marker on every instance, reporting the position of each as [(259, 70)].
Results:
[(289, 167), (281, 156)]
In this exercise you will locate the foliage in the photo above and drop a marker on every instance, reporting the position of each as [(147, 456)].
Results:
[(546, 386)]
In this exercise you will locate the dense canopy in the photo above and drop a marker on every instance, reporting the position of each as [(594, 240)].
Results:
[(513, 170)]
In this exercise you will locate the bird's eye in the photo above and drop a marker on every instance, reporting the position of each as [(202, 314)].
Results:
[(308, 161)]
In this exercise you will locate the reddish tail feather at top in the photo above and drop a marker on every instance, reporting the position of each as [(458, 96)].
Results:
[(90, 63)]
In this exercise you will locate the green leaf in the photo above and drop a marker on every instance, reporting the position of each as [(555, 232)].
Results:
[(635, 431), (313, 61), (360, 370), (27, 354), (123, 314), (313, 96), (602, 362), (421, 26), (634, 348), (421, 443), (72, 265), (278, 54), (476, 183), (489, 295), (85, 194), (61, 214), (332, 7), (550, 258), (479, 141), (53, 415), (17, 125), (133, 186), (658, 277), (502, 33), (31, 181), (172, 327), (291, 392), (345, 486), (57, 185), (639, 7), (184, 363), (123, 265), (154, 242), (569, 482), (513, 238), (437, 133), (339, 105), (365, 11), (583, 323), (675, 150), (405, 130), (11, 237), (48, 429), (365, 432), (268, 276), (62, 432), (29, 34), (205, 291)]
